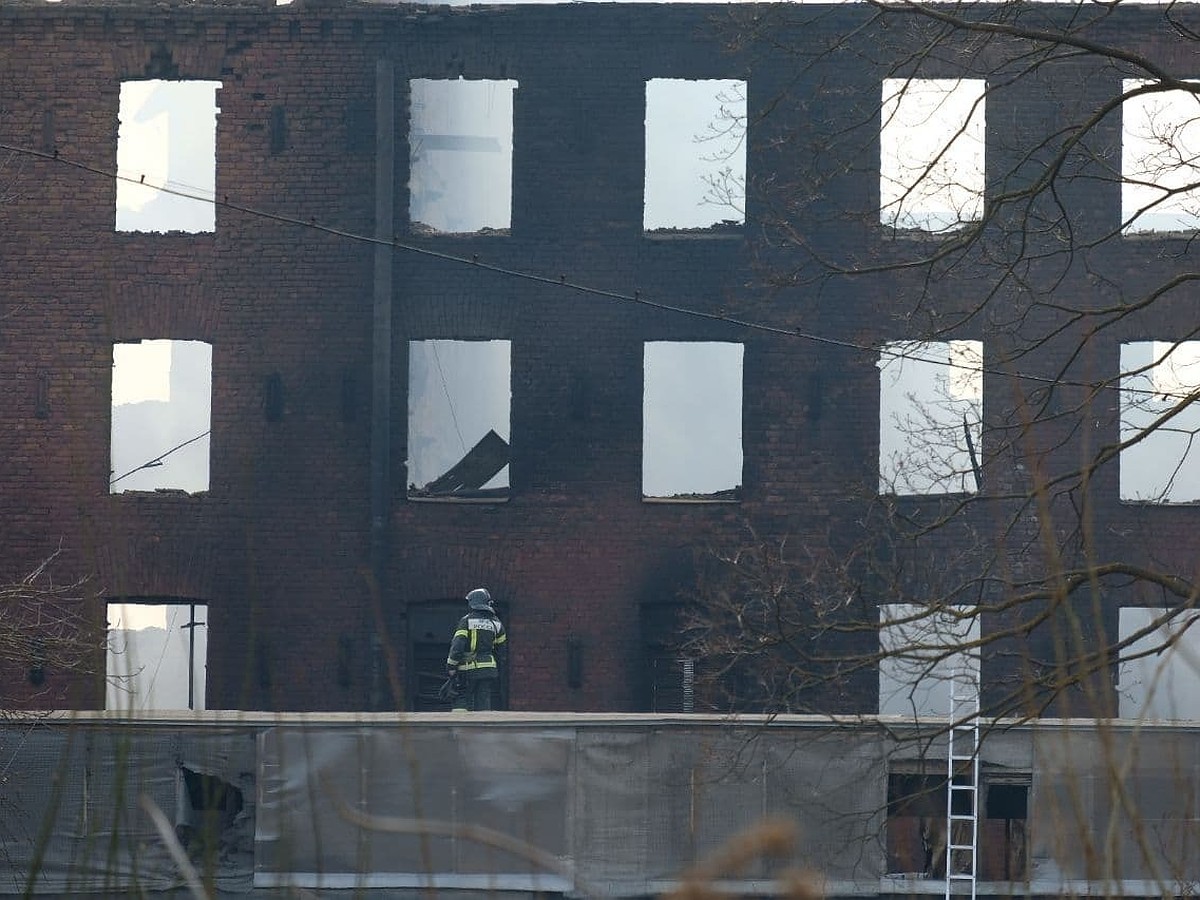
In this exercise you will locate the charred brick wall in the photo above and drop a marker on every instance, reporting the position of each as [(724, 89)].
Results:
[(279, 547)]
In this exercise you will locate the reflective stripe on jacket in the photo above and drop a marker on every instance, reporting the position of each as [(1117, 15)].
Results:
[(475, 638)]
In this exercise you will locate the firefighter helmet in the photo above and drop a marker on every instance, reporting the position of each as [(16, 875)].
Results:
[(479, 599)]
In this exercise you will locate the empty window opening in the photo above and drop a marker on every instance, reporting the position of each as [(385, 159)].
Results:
[(156, 657), (459, 404), (692, 420), (167, 156), (1158, 677), (161, 409), (932, 139), (461, 154), (918, 827), (916, 823), (1004, 833), (695, 153), (1159, 410), (930, 417), (1160, 160), (921, 650)]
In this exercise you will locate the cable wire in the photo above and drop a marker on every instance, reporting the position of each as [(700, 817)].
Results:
[(158, 459)]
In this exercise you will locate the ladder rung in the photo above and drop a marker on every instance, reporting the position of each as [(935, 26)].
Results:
[(961, 817), (960, 847)]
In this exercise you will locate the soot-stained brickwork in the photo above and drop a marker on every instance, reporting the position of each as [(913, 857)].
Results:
[(314, 604)]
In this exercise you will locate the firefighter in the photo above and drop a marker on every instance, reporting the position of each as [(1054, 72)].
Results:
[(472, 658)]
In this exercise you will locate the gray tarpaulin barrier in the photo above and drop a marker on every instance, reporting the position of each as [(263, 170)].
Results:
[(70, 813), (604, 806), (510, 780), (620, 809)]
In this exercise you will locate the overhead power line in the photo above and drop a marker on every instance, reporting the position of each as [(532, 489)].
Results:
[(157, 461)]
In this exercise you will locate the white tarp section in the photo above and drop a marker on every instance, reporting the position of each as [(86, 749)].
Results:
[(514, 781), (616, 810)]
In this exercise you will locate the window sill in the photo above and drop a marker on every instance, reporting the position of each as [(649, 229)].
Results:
[(1160, 504), (940, 495), (452, 500), (170, 234), (891, 233), (692, 500), (712, 233), (171, 493), (1173, 235), (420, 230), (917, 884)]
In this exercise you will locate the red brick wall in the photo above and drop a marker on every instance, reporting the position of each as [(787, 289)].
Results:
[(279, 546)]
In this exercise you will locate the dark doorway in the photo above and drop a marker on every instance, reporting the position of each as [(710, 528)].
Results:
[(430, 627)]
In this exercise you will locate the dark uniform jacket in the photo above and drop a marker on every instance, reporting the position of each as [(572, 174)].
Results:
[(473, 649)]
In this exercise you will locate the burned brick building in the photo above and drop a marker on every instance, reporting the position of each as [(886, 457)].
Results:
[(448, 323)]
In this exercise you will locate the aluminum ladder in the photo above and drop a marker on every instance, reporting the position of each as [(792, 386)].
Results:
[(962, 782)]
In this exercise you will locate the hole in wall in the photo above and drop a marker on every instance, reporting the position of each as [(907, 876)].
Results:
[(1159, 675), (932, 139), (161, 411), (461, 154), (1160, 146), (157, 656), (692, 419), (919, 657), (166, 141), (930, 417), (1157, 381), (459, 401), (695, 153)]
